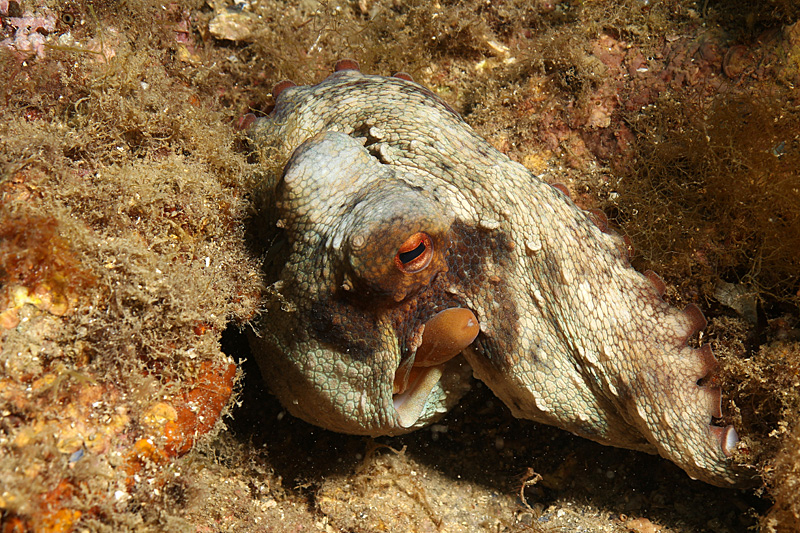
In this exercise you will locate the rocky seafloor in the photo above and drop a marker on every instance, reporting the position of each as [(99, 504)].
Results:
[(129, 400)]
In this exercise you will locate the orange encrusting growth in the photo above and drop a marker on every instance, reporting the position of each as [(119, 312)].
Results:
[(170, 429), (200, 409)]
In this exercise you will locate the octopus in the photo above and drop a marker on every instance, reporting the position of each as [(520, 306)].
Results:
[(406, 255)]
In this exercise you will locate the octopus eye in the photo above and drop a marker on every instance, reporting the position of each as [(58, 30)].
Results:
[(415, 253)]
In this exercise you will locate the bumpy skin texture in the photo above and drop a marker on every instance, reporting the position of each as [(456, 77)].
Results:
[(570, 334)]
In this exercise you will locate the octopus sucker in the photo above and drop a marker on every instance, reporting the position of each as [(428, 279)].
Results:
[(346, 64), (282, 86), (696, 321), (656, 281)]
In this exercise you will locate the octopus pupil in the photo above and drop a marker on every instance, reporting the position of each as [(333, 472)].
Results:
[(407, 257)]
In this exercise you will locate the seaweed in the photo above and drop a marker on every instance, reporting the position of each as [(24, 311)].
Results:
[(124, 268)]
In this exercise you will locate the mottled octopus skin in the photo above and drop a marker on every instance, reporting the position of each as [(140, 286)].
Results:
[(570, 334)]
